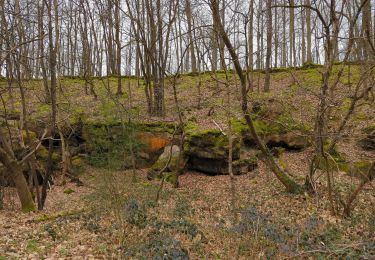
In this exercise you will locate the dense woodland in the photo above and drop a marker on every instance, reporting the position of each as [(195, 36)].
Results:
[(187, 129)]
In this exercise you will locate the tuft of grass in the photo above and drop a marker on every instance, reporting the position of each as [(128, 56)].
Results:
[(32, 246)]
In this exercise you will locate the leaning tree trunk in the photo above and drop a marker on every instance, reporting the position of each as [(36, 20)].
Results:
[(290, 184), (15, 172)]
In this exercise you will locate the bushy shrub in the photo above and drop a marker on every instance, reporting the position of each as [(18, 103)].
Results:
[(109, 146), (159, 247), (134, 214)]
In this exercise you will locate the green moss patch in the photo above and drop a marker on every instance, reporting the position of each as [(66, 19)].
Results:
[(69, 191), (45, 217)]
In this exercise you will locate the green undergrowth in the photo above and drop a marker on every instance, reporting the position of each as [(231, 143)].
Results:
[(55, 216), (281, 238), (134, 210), (109, 145), (197, 136)]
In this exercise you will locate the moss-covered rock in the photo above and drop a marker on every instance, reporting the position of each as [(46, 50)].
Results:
[(210, 143), (208, 149), (42, 154), (361, 169), (29, 137), (243, 166), (273, 123), (291, 141), (56, 157), (368, 142), (171, 177), (334, 161), (172, 152), (77, 164), (283, 132)]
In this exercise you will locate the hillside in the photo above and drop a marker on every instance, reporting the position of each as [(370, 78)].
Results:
[(109, 208)]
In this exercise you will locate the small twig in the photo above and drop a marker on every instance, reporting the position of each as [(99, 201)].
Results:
[(218, 126)]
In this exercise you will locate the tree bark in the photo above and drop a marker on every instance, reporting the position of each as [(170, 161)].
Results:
[(266, 87), (15, 172), (52, 35), (308, 32), (292, 36), (190, 33)]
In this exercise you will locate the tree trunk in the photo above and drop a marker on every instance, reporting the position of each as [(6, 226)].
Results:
[(190, 33), (308, 32), (52, 34), (118, 45), (292, 36), (303, 36), (284, 47), (269, 47), (15, 172), (290, 185)]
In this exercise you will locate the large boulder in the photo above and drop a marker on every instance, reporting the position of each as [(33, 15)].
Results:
[(291, 141), (151, 146), (208, 151), (334, 161), (245, 165), (368, 142), (361, 169), (171, 153)]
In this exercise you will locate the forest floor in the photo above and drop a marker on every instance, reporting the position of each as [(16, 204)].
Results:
[(111, 216), (93, 222)]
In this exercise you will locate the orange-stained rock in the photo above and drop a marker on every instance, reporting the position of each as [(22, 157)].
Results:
[(153, 143)]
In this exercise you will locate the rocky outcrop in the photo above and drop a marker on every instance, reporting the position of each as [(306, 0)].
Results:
[(290, 141), (279, 128), (168, 163), (275, 125), (208, 152), (168, 160), (115, 140), (362, 170)]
